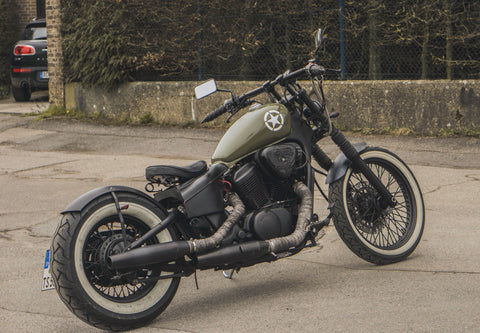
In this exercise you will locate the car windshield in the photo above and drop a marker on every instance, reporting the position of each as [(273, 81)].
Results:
[(35, 33)]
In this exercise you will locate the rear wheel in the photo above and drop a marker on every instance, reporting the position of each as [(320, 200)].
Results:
[(106, 298), (379, 234), (21, 94)]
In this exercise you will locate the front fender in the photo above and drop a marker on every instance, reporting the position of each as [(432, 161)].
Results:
[(342, 163), (82, 201)]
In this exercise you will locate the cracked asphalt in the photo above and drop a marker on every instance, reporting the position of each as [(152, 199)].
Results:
[(44, 164)]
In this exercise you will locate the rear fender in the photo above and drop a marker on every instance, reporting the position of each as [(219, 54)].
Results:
[(82, 201), (77, 205), (342, 163)]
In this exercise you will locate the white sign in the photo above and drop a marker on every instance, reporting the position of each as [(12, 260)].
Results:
[(48, 283)]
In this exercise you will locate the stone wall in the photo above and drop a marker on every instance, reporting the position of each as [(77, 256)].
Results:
[(55, 55), (424, 107)]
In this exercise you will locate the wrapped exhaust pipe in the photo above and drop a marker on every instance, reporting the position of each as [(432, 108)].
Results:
[(281, 244), (256, 249), (203, 245), (166, 252)]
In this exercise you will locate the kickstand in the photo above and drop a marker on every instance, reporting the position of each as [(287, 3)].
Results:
[(196, 281), (229, 274)]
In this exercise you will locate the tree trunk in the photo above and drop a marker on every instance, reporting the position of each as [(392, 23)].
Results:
[(245, 65), (374, 71), (199, 42), (448, 38), (424, 55)]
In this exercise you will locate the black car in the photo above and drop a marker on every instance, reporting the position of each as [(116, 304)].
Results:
[(29, 61)]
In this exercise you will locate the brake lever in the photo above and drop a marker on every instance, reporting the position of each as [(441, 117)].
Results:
[(232, 113), (238, 108)]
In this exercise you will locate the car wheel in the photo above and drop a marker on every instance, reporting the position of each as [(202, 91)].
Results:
[(21, 94)]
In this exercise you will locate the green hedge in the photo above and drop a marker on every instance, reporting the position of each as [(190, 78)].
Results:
[(95, 45), (9, 32), (111, 41)]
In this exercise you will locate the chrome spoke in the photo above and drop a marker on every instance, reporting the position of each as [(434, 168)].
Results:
[(111, 284), (381, 227)]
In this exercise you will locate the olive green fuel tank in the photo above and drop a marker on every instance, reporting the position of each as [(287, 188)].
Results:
[(261, 127)]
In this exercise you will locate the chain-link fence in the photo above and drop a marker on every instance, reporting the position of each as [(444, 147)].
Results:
[(417, 40), (257, 40)]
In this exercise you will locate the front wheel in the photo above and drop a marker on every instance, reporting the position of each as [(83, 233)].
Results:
[(103, 297), (377, 234)]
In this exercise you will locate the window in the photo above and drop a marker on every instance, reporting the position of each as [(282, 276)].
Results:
[(35, 33)]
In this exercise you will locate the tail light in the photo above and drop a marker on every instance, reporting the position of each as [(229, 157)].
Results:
[(21, 70), (23, 50)]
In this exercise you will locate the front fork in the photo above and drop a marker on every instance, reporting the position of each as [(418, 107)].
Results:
[(357, 162)]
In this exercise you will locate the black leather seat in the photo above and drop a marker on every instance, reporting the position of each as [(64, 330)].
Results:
[(183, 173)]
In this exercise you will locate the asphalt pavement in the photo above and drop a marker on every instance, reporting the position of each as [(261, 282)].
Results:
[(44, 164)]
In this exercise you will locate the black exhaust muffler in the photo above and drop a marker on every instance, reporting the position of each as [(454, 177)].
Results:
[(166, 252), (233, 254), (149, 255)]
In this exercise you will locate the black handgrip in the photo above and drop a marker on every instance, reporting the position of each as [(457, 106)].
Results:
[(288, 77), (215, 113), (332, 71)]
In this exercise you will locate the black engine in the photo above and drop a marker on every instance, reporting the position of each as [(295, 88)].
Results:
[(270, 223), (265, 186)]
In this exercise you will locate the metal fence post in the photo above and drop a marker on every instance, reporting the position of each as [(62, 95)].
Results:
[(200, 34), (341, 23)]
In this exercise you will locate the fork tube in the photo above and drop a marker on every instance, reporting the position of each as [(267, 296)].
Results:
[(359, 164), (322, 159)]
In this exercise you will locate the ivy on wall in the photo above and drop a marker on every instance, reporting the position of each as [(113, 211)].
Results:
[(111, 41), (9, 32), (95, 42)]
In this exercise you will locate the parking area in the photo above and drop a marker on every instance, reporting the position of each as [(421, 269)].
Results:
[(44, 164), (38, 103)]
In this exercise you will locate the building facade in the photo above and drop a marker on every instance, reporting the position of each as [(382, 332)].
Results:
[(30, 9)]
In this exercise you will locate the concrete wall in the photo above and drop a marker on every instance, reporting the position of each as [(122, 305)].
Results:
[(424, 107)]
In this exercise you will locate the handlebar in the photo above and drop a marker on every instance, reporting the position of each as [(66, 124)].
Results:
[(215, 113), (283, 79)]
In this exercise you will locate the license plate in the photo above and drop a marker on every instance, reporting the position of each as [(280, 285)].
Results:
[(48, 283), (44, 75)]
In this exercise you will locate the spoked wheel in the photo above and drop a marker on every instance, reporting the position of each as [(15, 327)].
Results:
[(101, 296), (106, 239), (375, 232)]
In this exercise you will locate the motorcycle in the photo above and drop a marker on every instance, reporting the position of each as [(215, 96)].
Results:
[(118, 253)]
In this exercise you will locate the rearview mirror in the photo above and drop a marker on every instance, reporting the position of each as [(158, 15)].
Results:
[(205, 89)]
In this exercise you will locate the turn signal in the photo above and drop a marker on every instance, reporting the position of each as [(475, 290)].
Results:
[(24, 50)]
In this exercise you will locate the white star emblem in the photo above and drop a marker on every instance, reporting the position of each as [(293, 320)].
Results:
[(273, 120)]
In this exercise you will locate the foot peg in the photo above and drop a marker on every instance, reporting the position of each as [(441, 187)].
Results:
[(323, 223), (318, 225)]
